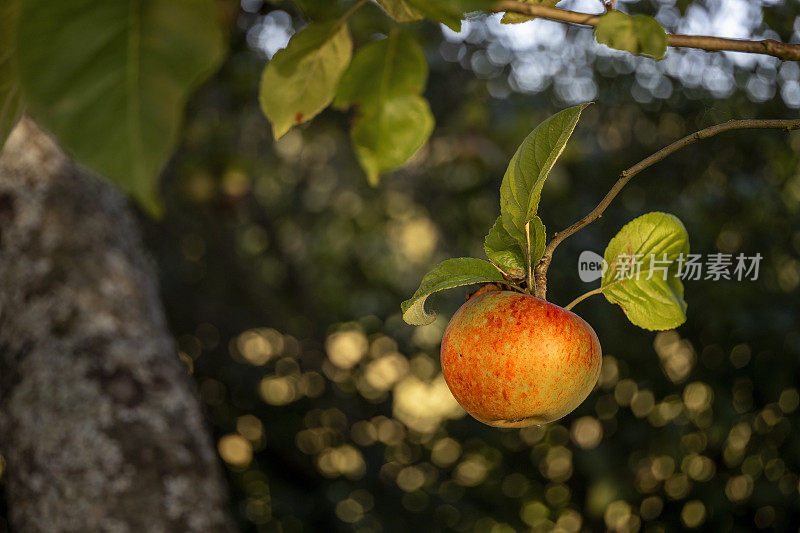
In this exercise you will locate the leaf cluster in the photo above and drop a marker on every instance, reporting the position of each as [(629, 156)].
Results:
[(517, 240), (384, 81), (111, 80)]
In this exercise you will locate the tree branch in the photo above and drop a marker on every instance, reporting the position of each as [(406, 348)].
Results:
[(627, 175), (703, 42)]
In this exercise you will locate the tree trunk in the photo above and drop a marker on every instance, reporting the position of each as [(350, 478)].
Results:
[(99, 422)]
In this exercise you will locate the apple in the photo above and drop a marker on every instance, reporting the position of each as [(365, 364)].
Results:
[(513, 360)]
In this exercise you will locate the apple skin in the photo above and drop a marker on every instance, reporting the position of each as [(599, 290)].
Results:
[(513, 360)]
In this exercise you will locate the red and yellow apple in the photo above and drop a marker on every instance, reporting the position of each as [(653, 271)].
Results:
[(513, 360)]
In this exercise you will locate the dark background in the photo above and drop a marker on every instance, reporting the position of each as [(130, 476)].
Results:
[(282, 272)]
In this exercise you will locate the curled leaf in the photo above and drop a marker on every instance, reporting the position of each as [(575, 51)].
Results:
[(642, 272), (448, 274)]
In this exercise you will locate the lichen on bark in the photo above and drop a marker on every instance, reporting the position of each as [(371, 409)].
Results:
[(99, 421)]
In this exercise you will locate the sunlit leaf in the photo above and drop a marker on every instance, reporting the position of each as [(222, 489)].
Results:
[(300, 80), (523, 181), (385, 81), (387, 135), (11, 104), (382, 70), (400, 10), (651, 295), (638, 34), (516, 18), (446, 275), (111, 79)]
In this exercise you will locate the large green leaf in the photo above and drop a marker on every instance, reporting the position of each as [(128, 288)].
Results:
[(656, 241), (387, 135), (300, 80), (516, 18), (382, 70), (400, 10), (11, 104), (523, 181), (638, 34), (111, 78), (447, 275)]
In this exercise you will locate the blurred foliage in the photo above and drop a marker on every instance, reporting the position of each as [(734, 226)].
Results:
[(282, 272)]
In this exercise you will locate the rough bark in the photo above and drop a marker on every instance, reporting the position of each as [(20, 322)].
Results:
[(99, 421)]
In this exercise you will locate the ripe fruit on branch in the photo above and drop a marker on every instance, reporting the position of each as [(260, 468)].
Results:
[(513, 360)]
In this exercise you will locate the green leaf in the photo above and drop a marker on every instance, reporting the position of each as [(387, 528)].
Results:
[(638, 34), (111, 79), (382, 70), (447, 275), (385, 80), (523, 181), (448, 12), (502, 249), (300, 80), (386, 136), (658, 239), (400, 10), (538, 239), (516, 18), (11, 104)]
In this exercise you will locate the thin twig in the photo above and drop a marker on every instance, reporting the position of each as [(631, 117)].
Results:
[(582, 297), (627, 175), (713, 44)]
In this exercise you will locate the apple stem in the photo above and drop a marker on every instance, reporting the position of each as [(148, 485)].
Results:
[(582, 297)]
